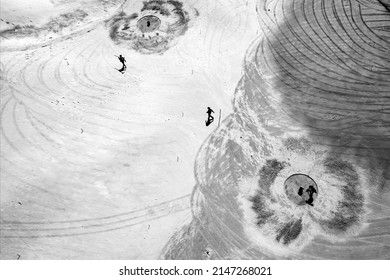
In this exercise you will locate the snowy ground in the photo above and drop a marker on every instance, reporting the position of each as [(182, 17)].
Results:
[(99, 165), (313, 100), (96, 164)]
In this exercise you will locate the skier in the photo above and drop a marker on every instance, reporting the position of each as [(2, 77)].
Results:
[(210, 118), (122, 60)]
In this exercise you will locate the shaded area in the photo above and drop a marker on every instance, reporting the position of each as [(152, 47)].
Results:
[(314, 95), (385, 3), (289, 232), (351, 207), (267, 175)]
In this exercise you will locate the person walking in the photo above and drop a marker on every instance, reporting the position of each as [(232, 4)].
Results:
[(210, 118), (122, 60)]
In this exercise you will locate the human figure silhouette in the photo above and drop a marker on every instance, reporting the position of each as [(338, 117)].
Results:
[(122, 60), (311, 190), (210, 118)]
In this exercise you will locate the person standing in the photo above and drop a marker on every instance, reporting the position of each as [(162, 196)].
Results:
[(122, 60), (210, 118)]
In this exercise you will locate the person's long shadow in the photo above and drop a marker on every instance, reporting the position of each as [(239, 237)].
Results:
[(122, 70), (209, 120)]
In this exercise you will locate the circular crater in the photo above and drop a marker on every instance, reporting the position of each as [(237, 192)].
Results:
[(148, 23), (301, 189)]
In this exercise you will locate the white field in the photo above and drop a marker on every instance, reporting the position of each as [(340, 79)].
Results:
[(99, 165)]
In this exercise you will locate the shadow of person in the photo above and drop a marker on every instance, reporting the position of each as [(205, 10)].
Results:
[(122, 70)]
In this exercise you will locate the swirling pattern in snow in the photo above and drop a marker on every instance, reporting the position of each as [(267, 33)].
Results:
[(313, 99), (153, 29)]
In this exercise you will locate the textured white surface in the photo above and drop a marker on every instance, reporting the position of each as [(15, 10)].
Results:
[(102, 163)]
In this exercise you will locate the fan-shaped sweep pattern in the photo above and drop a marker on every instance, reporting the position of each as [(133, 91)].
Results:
[(96, 164), (314, 99)]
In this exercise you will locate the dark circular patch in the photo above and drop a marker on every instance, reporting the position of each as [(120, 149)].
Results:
[(301, 189), (148, 23)]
